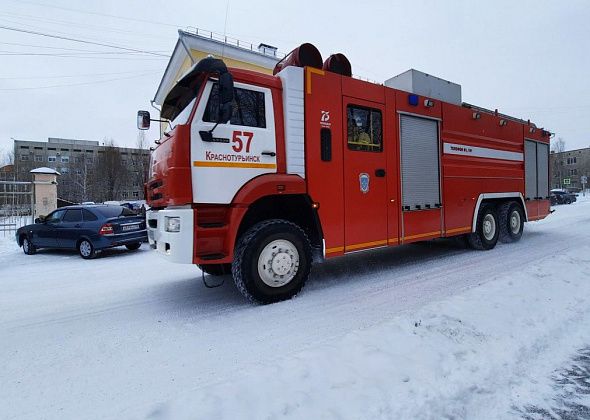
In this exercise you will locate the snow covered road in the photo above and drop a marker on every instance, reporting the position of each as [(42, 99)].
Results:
[(422, 331)]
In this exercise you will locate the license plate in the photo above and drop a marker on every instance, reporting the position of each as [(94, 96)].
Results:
[(127, 228)]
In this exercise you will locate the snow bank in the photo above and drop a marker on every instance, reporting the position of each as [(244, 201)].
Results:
[(476, 355)]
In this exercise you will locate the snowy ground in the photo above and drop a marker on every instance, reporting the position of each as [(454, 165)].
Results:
[(422, 331)]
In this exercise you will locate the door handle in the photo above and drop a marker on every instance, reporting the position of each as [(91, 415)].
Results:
[(380, 173), (271, 154), (77, 226)]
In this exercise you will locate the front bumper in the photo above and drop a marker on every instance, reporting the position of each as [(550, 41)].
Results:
[(174, 246)]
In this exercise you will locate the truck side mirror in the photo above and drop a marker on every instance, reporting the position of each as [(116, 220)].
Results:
[(143, 120), (226, 93)]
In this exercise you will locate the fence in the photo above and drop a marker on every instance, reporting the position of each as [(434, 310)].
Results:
[(17, 205)]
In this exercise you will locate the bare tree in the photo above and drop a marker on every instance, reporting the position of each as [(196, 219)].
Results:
[(110, 171), (558, 145), (140, 161), (558, 167)]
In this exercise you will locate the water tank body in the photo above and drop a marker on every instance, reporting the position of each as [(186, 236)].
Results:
[(304, 55), (338, 63)]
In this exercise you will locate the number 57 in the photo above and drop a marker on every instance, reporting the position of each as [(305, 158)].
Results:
[(239, 143)]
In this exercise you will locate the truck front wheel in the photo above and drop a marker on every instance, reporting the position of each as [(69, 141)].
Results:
[(272, 261)]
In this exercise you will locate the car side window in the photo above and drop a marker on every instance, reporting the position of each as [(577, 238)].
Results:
[(89, 216), (73, 216), (55, 217)]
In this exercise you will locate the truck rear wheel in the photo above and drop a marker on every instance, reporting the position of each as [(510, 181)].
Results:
[(272, 261), (511, 222), (215, 269), (486, 233)]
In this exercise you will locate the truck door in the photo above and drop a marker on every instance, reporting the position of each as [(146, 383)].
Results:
[(240, 150), (365, 186)]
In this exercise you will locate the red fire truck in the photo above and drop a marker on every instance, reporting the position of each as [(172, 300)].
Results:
[(260, 175)]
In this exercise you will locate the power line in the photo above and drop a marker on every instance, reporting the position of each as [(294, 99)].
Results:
[(74, 75), (18, 44), (8, 28), (99, 14), (79, 84)]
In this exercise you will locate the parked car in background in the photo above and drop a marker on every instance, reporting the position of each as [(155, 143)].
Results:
[(88, 229), (562, 197)]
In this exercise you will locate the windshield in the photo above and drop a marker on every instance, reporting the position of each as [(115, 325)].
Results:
[(181, 96), (182, 117)]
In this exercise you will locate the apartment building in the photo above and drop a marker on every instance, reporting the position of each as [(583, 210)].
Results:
[(89, 170), (567, 168)]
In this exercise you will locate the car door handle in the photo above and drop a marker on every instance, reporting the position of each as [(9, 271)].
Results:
[(77, 226), (380, 173)]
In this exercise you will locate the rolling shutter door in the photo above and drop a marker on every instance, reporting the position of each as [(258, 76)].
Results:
[(420, 163), (530, 169), (543, 170)]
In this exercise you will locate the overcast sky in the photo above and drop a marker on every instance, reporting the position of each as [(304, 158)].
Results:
[(529, 59)]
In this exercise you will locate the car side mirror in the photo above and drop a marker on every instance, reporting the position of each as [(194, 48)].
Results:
[(143, 120), (40, 219)]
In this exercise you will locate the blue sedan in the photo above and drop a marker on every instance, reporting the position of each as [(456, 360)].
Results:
[(87, 229)]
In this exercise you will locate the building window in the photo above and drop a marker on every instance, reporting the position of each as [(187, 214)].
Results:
[(64, 170), (65, 159), (135, 194), (125, 194), (51, 158), (364, 129), (24, 147), (24, 157), (135, 184), (89, 160), (248, 107), (38, 158)]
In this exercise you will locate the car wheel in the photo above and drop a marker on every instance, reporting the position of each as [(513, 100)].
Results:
[(133, 247), (86, 249), (215, 269), (511, 222), (568, 201), (28, 247), (272, 261), (486, 233)]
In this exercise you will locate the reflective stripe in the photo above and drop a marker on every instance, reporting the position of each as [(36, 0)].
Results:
[(483, 152), (204, 164)]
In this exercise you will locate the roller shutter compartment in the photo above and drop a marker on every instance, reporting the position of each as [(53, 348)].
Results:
[(530, 169), (420, 163)]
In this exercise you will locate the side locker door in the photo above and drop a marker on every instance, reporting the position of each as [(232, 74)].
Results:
[(365, 175)]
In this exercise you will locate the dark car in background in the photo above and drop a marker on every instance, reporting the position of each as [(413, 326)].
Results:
[(562, 197), (87, 228)]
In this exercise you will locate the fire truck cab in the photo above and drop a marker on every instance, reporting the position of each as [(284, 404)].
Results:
[(260, 175)]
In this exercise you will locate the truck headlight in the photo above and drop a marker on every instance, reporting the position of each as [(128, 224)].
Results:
[(172, 224)]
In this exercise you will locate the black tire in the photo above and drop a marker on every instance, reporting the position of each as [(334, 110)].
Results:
[(133, 247), (509, 213), (215, 269), (568, 201), (478, 239), (257, 240), (86, 249), (28, 247)]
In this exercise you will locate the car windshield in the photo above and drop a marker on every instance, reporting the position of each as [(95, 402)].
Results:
[(115, 211)]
